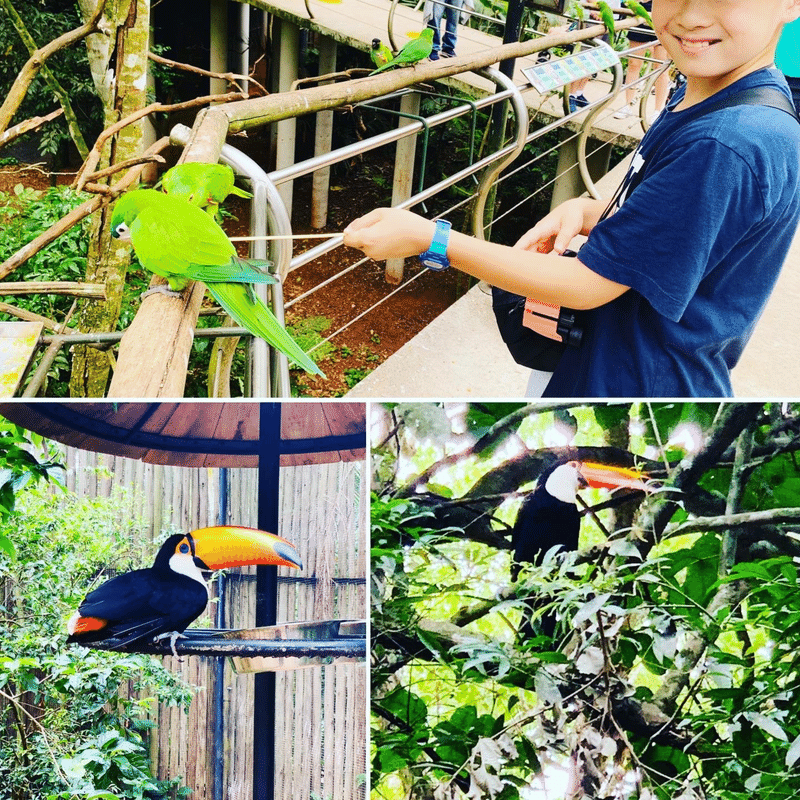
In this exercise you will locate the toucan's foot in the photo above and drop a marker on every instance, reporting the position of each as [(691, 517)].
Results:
[(173, 636), (161, 289)]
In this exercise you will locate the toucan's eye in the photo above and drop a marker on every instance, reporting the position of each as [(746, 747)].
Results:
[(184, 547)]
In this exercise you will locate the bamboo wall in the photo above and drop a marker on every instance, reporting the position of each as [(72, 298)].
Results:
[(320, 719)]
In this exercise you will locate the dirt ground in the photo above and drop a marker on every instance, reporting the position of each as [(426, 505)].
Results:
[(363, 345)]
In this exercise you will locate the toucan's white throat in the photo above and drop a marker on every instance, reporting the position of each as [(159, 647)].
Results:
[(183, 564), (563, 483)]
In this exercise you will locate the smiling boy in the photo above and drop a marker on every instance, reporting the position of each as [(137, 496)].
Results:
[(675, 278)]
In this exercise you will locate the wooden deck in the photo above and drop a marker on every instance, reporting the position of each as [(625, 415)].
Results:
[(356, 23)]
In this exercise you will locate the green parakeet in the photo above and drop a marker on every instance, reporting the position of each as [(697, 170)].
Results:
[(379, 53), (181, 243), (412, 51), (204, 185), (639, 10), (607, 15)]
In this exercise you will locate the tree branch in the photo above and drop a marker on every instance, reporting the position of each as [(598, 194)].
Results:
[(94, 156), (96, 291), (27, 126)]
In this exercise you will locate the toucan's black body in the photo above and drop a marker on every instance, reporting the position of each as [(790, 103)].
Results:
[(144, 603), (543, 522)]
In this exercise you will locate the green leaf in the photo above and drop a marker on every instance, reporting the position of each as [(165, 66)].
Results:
[(793, 753), (767, 724)]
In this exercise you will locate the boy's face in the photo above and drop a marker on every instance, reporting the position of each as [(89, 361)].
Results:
[(716, 42)]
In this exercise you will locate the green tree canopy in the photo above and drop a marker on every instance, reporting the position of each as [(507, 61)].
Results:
[(673, 670)]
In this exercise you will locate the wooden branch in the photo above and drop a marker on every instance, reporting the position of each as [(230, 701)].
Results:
[(28, 316), (745, 519), (95, 291), (131, 162), (28, 125), (76, 215), (94, 156), (260, 110), (231, 77), (38, 58), (154, 351)]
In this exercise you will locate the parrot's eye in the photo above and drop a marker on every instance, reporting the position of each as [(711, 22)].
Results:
[(121, 231)]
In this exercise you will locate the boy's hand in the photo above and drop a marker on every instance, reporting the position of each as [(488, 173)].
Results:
[(553, 233), (389, 233)]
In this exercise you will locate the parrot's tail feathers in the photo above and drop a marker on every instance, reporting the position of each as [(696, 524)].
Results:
[(237, 270), (241, 193), (253, 315)]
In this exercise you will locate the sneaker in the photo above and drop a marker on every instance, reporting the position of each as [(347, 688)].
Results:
[(581, 100), (625, 112), (445, 54)]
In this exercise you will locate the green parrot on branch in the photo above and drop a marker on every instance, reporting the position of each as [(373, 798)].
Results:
[(379, 53), (181, 243), (412, 52), (203, 185), (607, 15), (639, 10)]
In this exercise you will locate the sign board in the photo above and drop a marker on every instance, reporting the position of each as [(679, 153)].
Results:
[(18, 342), (558, 72)]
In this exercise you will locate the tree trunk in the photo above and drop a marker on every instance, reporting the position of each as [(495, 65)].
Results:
[(118, 61)]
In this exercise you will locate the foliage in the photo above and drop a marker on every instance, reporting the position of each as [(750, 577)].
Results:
[(70, 66), (67, 728), (673, 671), (25, 458), (26, 214)]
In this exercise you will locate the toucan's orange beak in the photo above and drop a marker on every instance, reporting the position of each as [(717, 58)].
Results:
[(603, 476), (231, 546)]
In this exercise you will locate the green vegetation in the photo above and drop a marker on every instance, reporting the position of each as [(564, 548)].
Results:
[(673, 672), (67, 730)]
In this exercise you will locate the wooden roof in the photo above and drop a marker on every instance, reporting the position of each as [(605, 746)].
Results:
[(199, 434)]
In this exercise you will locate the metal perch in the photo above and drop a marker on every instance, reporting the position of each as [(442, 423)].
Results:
[(268, 649)]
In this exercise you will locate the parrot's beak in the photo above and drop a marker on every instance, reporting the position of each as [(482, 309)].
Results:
[(230, 546)]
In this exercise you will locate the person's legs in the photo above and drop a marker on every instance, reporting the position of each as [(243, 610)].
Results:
[(436, 24), (451, 24)]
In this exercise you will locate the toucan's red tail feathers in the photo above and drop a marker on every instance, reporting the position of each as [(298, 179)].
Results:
[(78, 625)]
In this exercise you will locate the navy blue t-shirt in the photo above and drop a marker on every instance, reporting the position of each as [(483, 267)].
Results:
[(700, 241)]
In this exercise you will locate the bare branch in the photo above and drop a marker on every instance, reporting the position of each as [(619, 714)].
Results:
[(28, 316), (231, 77), (94, 156), (27, 126), (774, 516), (96, 291)]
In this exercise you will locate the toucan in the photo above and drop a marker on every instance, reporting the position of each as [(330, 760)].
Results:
[(549, 515), (165, 598)]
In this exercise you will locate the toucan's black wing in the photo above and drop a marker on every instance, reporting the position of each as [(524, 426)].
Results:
[(139, 604)]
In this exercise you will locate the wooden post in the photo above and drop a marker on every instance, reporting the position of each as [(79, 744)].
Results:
[(154, 352), (403, 175), (323, 140), (218, 45), (569, 183), (288, 69)]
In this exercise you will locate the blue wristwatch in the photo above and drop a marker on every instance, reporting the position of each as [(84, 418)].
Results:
[(435, 257)]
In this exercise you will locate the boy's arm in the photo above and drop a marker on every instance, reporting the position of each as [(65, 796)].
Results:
[(393, 233)]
